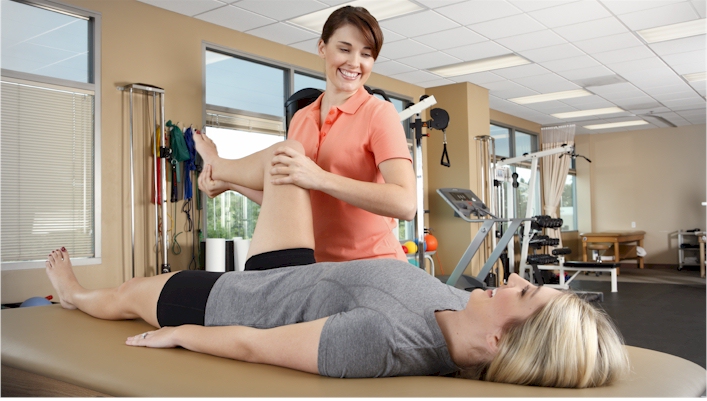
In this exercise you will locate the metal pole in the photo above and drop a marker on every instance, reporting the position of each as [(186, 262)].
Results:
[(420, 226), (155, 154), (132, 187), (163, 178)]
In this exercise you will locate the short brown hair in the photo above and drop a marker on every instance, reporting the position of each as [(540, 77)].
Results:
[(360, 18)]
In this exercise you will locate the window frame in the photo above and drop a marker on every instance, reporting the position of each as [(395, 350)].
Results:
[(93, 86), (289, 84), (524, 164)]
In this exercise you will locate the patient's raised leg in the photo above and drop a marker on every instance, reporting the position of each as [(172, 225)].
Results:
[(136, 298)]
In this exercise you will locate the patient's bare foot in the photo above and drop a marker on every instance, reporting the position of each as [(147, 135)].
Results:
[(62, 276)]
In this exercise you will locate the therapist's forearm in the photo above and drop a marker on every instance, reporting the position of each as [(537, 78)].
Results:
[(385, 199), (252, 194)]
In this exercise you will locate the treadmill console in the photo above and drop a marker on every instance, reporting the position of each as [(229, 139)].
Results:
[(464, 202)]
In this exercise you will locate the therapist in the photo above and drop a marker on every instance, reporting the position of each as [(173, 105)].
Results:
[(356, 163)]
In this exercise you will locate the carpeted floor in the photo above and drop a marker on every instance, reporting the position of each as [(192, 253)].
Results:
[(658, 308)]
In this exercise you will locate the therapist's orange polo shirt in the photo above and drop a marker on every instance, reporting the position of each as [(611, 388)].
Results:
[(355, 137)]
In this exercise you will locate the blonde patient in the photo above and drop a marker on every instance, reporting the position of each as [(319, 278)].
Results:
[(364, 318)]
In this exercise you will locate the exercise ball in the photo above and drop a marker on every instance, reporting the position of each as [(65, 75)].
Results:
[(414, 262), (412, 248), (431, 242), (35, 301)]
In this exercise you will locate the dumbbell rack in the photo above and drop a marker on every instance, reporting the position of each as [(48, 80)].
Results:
[(536, 240)]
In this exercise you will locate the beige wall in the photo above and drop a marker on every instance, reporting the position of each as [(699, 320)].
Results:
[(142, 43), (655, 178)]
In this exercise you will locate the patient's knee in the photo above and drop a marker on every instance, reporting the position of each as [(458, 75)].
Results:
[(294, 144)]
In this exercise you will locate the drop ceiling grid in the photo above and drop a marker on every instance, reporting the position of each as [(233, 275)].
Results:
[(567, 42)]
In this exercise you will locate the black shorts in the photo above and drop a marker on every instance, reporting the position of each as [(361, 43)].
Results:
[(184, 296)]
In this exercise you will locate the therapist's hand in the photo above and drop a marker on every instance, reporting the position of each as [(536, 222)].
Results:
[(209, 186), (296, 168), (162, 338)]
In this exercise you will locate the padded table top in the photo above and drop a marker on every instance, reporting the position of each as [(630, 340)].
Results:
[(73, 347)]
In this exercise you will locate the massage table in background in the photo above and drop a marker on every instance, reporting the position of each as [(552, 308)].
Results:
[(614, 238), (47, 350)]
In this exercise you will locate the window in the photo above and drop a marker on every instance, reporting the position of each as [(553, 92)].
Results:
[(509, 142), (244, 114), (50, 94), (303, 81), (568, 204)]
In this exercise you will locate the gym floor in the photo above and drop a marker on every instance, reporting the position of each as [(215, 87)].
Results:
[(658, 308)]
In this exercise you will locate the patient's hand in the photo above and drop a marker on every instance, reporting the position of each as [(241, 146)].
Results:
[(162, 338), (209, 186), (206, 148)]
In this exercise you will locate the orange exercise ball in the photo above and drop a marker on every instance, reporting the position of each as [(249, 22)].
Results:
[(431, 242)]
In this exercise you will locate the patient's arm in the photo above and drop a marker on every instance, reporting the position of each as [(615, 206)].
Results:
[(293, 346)]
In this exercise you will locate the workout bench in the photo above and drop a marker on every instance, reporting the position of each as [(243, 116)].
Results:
[(579, 267), (49, 351)]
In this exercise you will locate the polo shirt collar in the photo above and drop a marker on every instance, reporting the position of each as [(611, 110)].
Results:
[(352, 104)]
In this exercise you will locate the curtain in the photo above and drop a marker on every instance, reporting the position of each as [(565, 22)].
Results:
[(555, 169)]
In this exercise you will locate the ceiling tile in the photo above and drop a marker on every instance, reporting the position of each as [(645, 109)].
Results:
[(283, 33), (472, 12), (569, 14), (546, 83), (533, 5), (509, 26), (454, 37), (637, 103), (550, 53), (661, 90), (532, 40), (618, 56), (186, 7), (507, 89), (429, 60), (699, 86), (591, 29), (619, 7), (309, 46), (585, 73), (627, 67), (588, 102), (666, 80), (417, 24), (521, 71), (697, 56), (700, 6), (572, 63), (235, 18), (435, 83), (682, 69), (674, 96), (415, 77), (679, 45), (334, 2), (391, 68), (624, 87), (478, 78), (660, 16), (650, 77), (281, 9), (684, 104), (607, 43), (437, 3), (404, 48), (477, 51), (390, 36)]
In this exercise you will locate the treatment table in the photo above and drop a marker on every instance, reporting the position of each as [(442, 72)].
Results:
[(614, 238), (48, 351)]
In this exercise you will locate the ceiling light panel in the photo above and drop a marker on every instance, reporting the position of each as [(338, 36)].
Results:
[(551, 96), (674, 31), (382, 10), (695, 77), (585, 113), (616, 125), (488, 64)]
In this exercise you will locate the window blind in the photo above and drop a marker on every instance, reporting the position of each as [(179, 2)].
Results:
[(47, 172), (221, 119)]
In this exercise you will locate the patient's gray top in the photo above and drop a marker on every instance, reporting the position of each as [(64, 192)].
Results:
[(381, 313)]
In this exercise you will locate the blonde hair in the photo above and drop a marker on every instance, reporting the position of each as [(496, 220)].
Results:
[(566, 343)]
